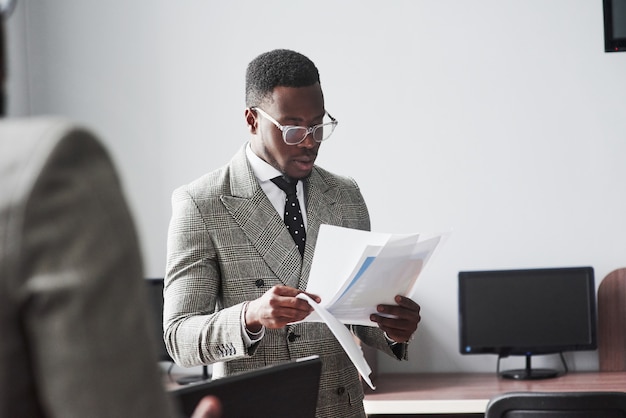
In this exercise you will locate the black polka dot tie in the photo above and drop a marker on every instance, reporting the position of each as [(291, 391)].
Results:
[(293, 215)]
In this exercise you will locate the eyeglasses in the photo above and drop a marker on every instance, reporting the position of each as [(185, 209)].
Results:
[(293, 135)]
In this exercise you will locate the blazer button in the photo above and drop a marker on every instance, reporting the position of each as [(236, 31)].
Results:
[(259, 283), (341, 390), (292, 337)]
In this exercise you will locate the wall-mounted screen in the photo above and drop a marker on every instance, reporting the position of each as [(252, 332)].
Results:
[(614, 25)]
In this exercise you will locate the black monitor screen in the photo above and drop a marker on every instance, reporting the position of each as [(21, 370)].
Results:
[(533, 311), (614, 25), (155, 300)]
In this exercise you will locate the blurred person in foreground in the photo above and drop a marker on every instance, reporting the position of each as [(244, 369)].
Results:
[(76, 340)]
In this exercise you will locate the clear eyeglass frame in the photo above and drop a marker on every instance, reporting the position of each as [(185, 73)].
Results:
[(293, 135)]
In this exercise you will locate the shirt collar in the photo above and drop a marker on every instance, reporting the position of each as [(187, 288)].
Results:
[(262, 170)]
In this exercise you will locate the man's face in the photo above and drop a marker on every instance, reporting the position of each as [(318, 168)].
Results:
[(299, 106)]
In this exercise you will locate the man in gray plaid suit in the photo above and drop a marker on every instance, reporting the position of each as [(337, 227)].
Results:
[(233, 269)]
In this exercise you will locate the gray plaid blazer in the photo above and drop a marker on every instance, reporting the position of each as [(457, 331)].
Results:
[(74, 320), (227, 245)]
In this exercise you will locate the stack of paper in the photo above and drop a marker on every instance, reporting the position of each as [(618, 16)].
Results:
[(353, 271)]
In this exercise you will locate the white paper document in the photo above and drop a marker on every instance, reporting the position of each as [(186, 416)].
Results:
[(353, 271), (345, 338)]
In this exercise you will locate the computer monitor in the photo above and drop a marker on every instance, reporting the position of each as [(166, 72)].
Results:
[(155, 302), (527, 312)]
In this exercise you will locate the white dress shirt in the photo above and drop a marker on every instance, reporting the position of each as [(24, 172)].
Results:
[(264, 173)]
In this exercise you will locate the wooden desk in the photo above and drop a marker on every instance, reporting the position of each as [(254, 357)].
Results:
[(468, 393)]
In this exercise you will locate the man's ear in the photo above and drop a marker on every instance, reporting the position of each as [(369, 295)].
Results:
[(251, 120)]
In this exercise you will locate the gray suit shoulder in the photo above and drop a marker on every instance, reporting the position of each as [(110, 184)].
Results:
[(336, 180), (30, 143), (212, 184)]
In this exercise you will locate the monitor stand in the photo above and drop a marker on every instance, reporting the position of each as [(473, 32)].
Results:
[(528, 373)]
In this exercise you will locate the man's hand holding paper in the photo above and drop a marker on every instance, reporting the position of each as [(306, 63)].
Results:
[(398, 321), (277, 307)]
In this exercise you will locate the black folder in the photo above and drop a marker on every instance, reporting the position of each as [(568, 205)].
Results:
[(282, 390)]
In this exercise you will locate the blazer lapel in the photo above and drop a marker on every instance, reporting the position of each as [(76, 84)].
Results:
[(260, 222), (321, 208)]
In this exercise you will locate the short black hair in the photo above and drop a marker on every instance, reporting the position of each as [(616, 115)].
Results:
[(280, 67)]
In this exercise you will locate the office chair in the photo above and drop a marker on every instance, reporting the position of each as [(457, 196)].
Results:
[(557, 405)]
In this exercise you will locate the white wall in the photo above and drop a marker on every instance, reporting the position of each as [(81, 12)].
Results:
[(501, 120)]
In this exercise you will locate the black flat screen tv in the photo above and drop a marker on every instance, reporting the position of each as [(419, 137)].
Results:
[(614, 25), (155, 302), (527, 312)]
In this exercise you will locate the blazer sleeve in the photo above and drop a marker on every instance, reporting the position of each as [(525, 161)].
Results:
[(374, 337), (197, 328), (78, 284)]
